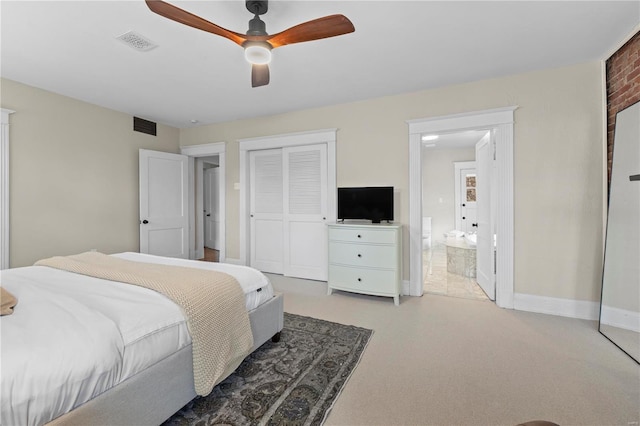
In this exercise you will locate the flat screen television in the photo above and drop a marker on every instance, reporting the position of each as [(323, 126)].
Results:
[(374, 203)]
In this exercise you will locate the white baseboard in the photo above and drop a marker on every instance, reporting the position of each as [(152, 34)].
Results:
[(571, 308), (232, 261), (621, 318)]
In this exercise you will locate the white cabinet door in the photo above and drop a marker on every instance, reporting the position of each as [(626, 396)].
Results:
[(288, 208), (211, 209), (266, 201), (484, 247), (305, 211), (164, 219)]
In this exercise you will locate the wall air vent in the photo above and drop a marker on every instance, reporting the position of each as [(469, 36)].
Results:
[(136, 41), (144, 126)]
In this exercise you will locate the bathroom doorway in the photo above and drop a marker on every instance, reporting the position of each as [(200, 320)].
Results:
[(449, 204)]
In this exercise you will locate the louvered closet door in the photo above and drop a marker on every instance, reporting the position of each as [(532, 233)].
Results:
[(266, 198), (305, 211)]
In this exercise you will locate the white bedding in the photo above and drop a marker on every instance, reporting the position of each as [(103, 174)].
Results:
[(72, 337)]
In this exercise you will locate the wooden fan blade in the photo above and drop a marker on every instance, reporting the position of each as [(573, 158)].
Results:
[(174, 13), (329, 26), (259, 75)]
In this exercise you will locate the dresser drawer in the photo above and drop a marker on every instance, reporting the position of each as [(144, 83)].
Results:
[(375, 236), (370, 281), (377, 256)]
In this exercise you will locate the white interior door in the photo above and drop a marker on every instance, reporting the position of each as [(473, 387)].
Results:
[(465, 195), (211, 208), (305, 211), (485, 246), (266, 208), (164, 218), (469, 204)]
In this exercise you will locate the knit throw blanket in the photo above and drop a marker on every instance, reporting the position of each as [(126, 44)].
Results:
[(213, 303)]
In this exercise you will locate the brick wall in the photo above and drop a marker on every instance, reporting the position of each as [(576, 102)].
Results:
[(623, 86)]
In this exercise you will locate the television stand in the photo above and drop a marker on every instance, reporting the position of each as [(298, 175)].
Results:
[(366, 259)]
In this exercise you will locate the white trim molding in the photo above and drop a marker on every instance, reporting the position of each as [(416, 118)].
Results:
[(204, 149), (4, 190), (570, 308), (501, 121), (326, 136)]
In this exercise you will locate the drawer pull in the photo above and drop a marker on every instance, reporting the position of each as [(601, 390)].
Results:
[(359, 279), (359, 255), (359, 236)]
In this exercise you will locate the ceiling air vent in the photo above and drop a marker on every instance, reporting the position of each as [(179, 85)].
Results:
[(136, 41), (144, 126)]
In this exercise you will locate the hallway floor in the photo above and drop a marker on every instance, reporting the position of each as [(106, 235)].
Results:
[(438, 281), (211, 255)]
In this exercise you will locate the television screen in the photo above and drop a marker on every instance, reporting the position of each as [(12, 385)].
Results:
[(374, 203)]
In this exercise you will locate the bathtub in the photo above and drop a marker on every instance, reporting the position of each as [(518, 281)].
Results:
[(471, 239), (461, 254)]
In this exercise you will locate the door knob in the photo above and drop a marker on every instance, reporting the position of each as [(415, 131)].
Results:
[(145, 221)]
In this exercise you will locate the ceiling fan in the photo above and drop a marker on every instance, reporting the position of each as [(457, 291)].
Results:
[(256, 42)]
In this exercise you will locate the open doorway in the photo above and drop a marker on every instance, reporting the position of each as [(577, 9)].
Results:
[(501, 123), (201, 158), (211, 208), (449, 207)]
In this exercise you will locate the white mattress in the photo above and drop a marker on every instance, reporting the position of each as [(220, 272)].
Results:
[(72, 337), (255, 284)]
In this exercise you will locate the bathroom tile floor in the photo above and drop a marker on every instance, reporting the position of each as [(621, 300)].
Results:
[(438, 281)]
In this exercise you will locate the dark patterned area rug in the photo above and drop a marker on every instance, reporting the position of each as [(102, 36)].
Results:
[(292, 382)]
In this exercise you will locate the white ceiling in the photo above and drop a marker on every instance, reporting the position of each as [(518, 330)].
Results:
[(71, 48)]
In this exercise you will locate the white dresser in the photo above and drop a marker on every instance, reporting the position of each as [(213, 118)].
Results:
[(366, 259)]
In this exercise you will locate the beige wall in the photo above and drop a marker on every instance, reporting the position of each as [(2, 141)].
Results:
[(558, 164), (438, 187), (73, 175)]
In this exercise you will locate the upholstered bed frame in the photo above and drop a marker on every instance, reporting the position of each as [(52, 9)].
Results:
[(153, 395)]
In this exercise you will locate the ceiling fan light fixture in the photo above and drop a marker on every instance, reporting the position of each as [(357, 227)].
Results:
[(257, 53)]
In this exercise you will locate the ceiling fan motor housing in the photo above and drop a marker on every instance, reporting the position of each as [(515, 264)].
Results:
[(257, 27)]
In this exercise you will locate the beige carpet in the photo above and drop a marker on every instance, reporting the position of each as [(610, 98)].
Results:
[(437, 360)]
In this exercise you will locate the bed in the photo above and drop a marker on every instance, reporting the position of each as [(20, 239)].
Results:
[(108, 352)]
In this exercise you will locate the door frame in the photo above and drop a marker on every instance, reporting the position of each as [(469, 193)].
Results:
[(501, 121), (196, 218), (4, 189), (324, 136)]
